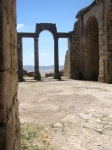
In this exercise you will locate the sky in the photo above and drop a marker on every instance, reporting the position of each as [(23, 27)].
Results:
[(60, 12)]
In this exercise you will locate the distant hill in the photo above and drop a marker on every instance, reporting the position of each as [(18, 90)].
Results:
[(31, 68)]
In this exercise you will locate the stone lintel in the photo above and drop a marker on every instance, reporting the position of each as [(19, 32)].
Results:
[(63, 35), (27, 35)]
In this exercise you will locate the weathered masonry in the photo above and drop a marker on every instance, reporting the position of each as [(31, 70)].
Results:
[(9, 120), (89, 55), (39, 28)]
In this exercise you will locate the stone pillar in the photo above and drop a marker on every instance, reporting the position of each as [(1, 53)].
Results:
[(102, 53), (105, 67), (109, 67), (37, 75), (20, 58), (68, 64), (9, 116), (56, 60)]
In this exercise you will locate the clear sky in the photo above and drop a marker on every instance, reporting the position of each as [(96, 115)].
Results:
[(61, 12)]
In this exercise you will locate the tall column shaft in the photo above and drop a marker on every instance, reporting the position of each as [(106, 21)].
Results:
[(20, 59), (56, 60), (37, 75)]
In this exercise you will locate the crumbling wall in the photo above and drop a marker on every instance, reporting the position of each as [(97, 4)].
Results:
[(72, 67), (67, 64), (90, 45), (9, 120), (76, 52)]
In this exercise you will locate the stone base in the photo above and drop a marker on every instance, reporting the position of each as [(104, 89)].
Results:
[(100, 79), (37, 76), (57, 76), (21, 80)]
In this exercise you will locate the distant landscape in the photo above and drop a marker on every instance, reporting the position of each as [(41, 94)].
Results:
[(43, 69), (51, 67)]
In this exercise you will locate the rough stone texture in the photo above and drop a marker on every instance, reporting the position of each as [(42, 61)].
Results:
[(90, 46), (9, 120), (67, 64)]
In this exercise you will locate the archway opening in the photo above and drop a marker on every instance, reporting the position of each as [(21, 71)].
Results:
[(62, 52), (92, 50), (28, 56), (109, 47), (46, 53)]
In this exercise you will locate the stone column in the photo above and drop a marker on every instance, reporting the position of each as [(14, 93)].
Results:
[(37, 75), (56, 60), (109, 67), (9, 114), (105, 67), (20, 59), (102, 53)]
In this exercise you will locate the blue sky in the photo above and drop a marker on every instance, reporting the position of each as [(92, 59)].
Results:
[(61, 12)]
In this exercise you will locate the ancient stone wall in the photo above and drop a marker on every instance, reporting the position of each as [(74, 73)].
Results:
[(67, 65), (72, 67), (90, 48), (76, 52), (9, 120)]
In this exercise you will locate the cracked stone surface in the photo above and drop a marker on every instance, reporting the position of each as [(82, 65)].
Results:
[(76, 114)]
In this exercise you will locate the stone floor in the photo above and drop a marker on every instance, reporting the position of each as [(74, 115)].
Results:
[(77, 115)]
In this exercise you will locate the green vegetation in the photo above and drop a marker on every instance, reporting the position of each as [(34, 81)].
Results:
[(34, 137)]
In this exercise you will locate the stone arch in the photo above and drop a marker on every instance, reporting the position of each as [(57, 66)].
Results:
[(51, 28), (46, 26), (109, 47), (91, 66)]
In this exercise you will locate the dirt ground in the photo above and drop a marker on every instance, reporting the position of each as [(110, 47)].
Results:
[(77, 115)]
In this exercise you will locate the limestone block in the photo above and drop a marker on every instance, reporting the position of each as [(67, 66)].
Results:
[(101, 31), (8, 55), (11, 87), (101, 42), (8, 89), (100, 79), (11, 128), (102, 47), (100, 24)]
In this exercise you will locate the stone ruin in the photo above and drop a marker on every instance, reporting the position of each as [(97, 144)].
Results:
[(39, 28), (89, 57)]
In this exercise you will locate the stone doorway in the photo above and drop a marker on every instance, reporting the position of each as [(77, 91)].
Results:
[(46, 52), (92, 50)]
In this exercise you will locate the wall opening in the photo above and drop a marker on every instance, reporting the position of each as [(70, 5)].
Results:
[(28, 54), (92, 50), (63, 46), (46, 53)]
